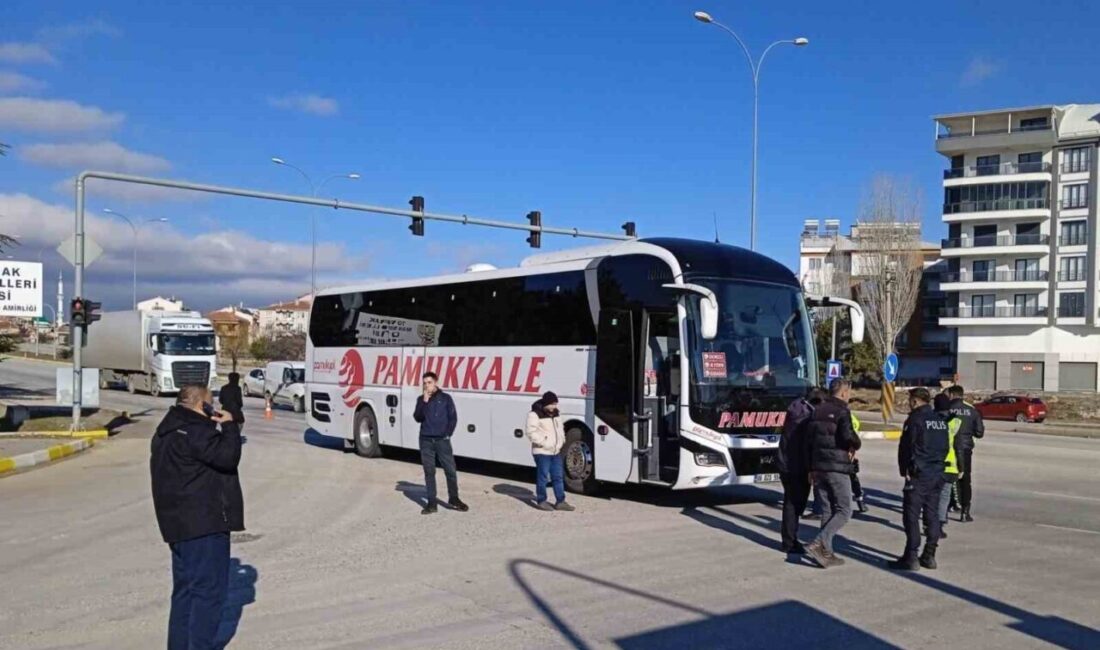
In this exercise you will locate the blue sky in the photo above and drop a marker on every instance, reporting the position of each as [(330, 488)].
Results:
[(592, 112)]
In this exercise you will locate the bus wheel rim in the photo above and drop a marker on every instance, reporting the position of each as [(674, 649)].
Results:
[(364, 431), (578, 460)]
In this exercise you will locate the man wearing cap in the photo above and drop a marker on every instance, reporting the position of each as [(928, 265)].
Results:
[(547, 438)]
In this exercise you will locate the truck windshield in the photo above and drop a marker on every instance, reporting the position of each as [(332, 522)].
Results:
[(764, 343), (186, 344), (296, 375)]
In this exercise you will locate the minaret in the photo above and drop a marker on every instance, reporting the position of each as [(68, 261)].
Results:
[(60, 299)]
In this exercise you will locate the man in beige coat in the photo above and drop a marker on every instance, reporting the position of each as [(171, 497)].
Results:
[(547, 438)]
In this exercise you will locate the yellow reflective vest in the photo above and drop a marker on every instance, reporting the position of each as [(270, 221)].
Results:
[(855, 422), (951, 463)]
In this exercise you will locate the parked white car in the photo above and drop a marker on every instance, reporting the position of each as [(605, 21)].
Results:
[(285, 383), (253, 383)]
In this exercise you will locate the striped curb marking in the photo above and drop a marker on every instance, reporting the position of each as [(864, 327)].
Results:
[(880, 435), (49, 454), (91, 433)]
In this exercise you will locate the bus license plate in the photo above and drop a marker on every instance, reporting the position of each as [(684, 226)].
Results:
[(766, 478)]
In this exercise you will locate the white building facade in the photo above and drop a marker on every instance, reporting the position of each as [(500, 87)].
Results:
[(284, 319), (1020, 193)]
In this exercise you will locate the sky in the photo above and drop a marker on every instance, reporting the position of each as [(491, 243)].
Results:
[(592, 112)]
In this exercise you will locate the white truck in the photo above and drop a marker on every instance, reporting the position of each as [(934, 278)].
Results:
[(285, 383), (152, 351)]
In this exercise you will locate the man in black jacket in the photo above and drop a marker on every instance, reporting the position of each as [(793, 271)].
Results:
[(833, 443), (197, 499), (435, 411), (921, 453), (231, 400), (794, 467), (971, 426)]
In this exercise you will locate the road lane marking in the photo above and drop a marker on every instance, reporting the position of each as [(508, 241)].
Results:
[(1076, 530), (1065, 496)]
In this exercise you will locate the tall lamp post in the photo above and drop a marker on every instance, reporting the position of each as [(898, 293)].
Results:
[(314, 189), (135, 229), (704, 17)]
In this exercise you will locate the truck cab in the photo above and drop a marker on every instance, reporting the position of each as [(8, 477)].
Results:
[(285, 383)]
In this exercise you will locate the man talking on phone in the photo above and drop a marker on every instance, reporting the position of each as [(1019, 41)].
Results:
[(197, 499), (435, 411)]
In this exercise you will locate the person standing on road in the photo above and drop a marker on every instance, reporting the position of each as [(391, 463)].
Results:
[(833, 445), (547, 438), (435, 411), (197, 499), (857, 487), (793, 461), (942, 404), (971, 426), (231, 400), (921, 452)]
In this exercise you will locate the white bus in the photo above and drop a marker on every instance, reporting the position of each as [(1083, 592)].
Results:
[(674, 360)]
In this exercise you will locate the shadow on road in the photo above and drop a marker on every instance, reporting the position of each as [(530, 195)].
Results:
[(318, 439), (414, 492), (242, 592), (521, 494)]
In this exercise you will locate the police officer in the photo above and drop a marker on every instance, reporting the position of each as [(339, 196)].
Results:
[(950, 463), (857, 487), (921, 453), (970, 427)]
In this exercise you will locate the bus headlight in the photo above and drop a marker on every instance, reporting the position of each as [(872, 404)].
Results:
[(709, 459)]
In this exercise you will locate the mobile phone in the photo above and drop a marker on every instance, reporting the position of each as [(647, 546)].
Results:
[(208, 409)]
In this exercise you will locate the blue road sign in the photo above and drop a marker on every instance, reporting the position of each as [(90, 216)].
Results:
[(833, 369), (890, 368)]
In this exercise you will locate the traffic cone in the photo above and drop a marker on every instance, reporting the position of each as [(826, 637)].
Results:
[(268, 415)]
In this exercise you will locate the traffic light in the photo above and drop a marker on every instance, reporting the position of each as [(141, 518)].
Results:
[(76, 313), (91, 312), (417, 227), (630, 229), (535, 238)]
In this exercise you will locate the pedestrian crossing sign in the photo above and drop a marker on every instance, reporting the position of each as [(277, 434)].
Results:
[(833, 369)]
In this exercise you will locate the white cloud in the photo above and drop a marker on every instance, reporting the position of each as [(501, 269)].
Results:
[(103, 156), (54, 115), (312, 104), (978, 70), (74, 31), (12, 52), (13, 81), (206, 269)]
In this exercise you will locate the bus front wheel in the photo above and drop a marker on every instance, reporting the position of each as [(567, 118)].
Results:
[(578, 456), (366, 434)]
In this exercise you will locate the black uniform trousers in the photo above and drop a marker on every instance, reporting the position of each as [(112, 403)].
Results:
[(796, 492), (921, 500), (966, 466)]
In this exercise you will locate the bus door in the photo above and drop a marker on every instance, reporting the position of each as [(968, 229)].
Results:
[(617, 423), (660, 354)]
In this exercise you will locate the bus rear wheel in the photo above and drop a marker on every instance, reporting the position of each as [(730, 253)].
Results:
[(366, 434), (578, 457)]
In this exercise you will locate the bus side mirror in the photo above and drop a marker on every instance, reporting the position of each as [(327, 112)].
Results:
[(708, 307), (855, 313)]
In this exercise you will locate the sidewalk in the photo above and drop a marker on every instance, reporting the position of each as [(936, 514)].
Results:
[(17, 454)]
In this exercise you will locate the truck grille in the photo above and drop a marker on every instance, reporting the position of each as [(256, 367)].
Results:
[(190, 373)]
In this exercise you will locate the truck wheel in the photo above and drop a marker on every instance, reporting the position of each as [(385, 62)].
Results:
[(299, 404), (578, 457), (130, 386), (154, 386), (366, 434)]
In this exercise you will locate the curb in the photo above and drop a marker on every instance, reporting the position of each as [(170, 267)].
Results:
[(98, 434), (894, 434), (43, 456)]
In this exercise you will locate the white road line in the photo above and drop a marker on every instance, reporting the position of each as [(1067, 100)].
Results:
[(1076, 530), (1065, 496)]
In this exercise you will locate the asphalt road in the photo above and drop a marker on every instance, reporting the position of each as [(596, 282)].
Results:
[(337, 556)]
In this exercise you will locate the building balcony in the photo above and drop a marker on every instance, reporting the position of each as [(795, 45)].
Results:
[(1073, 204), (1030, 279), (1073, 240), (960, 140), (1071, 311), (974, 174), (1014, 315), (994, 209), (1075, 167), (993, 245), (1071, 276)]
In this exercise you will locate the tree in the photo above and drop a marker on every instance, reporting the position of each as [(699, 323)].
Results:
[(860, 365), (887, 262), (236, 346), (288, 347)]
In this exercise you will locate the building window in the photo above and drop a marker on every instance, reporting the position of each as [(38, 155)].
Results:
[(1029, 195), (1073, 233), (1075, 196), (815, 264), (1071, 305), (982, 305), (983, 270), (1025, 304), (1034, 123), (1075, 160), (988, 165), (1071, 269), (1029, 163), (1027, 270)]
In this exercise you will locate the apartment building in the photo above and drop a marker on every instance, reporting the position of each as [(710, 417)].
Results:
[(285, 318), (1020, 189), (832, 263)]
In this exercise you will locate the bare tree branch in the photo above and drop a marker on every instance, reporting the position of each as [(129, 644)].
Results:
[(888, 262)]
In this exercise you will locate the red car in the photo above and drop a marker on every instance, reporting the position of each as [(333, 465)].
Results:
[(1013, 407)]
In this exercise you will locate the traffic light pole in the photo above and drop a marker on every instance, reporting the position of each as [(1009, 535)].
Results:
[(466, 220)]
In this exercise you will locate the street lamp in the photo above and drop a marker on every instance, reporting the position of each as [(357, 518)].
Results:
[(801, 41), (315, 189), (135, 229)]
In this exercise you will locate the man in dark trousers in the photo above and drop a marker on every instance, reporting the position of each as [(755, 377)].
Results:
[(921, 453), (971, 426), (833, 443), (231, 400), (794, 468), (435, 411), (197, 499)]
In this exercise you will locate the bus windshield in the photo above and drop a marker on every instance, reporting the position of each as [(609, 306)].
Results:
[(764, 342), (186, 344)]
